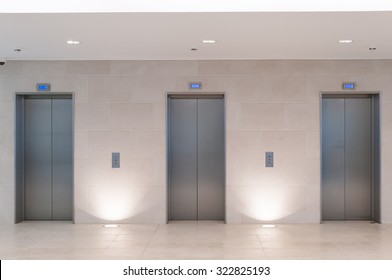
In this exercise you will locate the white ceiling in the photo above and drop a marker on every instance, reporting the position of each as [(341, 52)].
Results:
[(170, 36)]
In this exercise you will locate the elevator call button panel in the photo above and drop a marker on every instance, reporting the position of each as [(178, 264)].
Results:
[(115, 160), (269, 159)]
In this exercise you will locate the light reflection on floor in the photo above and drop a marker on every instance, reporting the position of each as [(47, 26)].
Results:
[(196, 240)]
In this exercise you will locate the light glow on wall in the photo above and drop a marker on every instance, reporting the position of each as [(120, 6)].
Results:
[(118, 203), (111, 205), (270, 203)]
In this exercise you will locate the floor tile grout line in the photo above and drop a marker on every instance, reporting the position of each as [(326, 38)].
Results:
[(262, 247), (111, 241), (148, 243)]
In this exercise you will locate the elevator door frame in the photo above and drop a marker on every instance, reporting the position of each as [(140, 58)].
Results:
[(185, 95), (19, 147), (376, 214)]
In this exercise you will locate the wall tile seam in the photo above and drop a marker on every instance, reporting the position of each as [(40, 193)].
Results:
[(317, 74), (307, 97), (108, 156), (261, 103), (87, 97), (125, 103), (286, 72), (93, 129), (247, 130), (232, 188), (228, 102), (241, 67), (86, 74), (143, 129), (85, 186), (288, 102), (23, 76), (108, 130), (261, 155), (221, 85), (336, 75), (155, 76), (70, 87), (179, 76), (373, 65), (108, 186), (131, 157), (282, 75), (285, 130), (101, 76), (216, 75), (65, 76), (232, 76), (277, 157), (152, 75), (124, 156), (145, 75)]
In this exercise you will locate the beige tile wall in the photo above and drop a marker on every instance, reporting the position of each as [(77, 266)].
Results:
[(272, 105)]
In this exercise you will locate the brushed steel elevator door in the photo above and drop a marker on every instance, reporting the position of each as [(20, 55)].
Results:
[(347, 158), (38, 159), (48, 159), (196, 159)]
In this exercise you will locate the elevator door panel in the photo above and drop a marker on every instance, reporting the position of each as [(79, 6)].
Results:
[(210, 159), (183, 159), (333, 159), (347, 158), (38, 158), (358, 158), (196, 159), (48, 159), (62, 158)]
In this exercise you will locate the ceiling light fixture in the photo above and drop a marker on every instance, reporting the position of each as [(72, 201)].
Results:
[(347, 41), (71, 42), (209, 41), (111, 226)]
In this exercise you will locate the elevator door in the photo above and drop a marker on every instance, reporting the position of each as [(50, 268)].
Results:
[(48, 156), (196, 159), (347, 158)]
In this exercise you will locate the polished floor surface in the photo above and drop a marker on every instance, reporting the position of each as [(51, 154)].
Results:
[(196, 240)]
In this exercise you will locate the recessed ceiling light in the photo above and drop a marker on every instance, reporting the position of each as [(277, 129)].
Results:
[(209, 41), (345, 41), (71, 42)]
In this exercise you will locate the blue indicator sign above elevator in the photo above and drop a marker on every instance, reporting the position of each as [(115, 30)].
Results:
[(194, 85), (43, 87), (349, 85)]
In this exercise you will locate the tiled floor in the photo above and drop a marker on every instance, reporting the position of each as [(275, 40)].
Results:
[(196, 240)]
